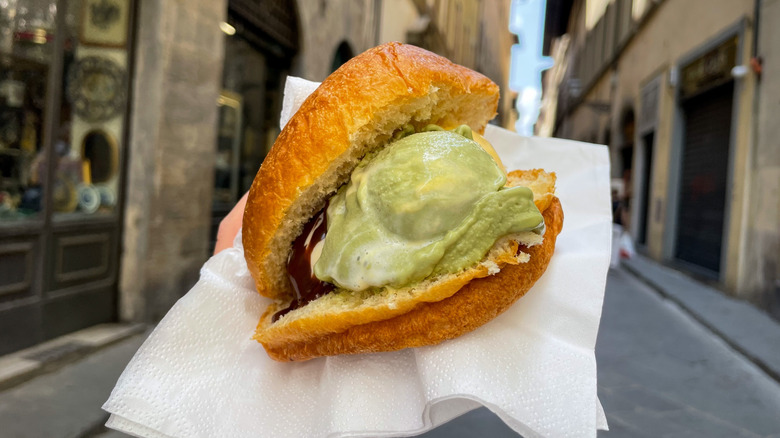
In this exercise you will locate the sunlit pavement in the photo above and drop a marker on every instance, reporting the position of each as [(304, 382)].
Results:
[(661, 373)]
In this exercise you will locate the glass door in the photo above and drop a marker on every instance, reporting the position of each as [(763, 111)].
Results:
[(26, 56), (227, 161), (64, 80), (28, 61)]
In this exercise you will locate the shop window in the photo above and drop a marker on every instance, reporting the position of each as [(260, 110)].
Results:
[(63, 109), (92, 108), (26, 55), (70, 159)]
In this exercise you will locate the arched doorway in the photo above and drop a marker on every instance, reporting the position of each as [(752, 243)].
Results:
[(625, 158), (343, 54)]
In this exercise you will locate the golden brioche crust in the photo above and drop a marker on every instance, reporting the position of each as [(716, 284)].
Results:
[(473, 305), (353, 111)]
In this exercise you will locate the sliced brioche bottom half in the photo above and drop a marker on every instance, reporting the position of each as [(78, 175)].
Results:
[(480, 295)]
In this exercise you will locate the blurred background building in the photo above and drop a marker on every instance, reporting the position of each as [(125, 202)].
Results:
[(684, 93), (129, 128)]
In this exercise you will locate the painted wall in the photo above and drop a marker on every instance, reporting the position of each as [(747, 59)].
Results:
[(398, 17), (669, 34)]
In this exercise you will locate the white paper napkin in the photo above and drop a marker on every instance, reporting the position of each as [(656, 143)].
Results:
[(296, 90), (200, 375)]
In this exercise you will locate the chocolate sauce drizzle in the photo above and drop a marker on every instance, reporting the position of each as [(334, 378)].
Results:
[(305, 284)]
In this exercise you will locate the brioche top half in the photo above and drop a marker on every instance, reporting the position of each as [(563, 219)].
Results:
[(354, 111)]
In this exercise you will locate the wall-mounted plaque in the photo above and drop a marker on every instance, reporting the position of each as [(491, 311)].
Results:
[(104, 22), (710, 70)]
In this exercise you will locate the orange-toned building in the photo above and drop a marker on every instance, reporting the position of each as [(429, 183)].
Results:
[(676, 90)]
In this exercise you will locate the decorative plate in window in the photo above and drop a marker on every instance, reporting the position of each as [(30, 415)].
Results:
[(97, 88)]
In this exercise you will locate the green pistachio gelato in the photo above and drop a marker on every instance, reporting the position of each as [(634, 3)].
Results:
[(430, 203)]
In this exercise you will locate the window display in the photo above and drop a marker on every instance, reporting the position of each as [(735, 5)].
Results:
[(96, 88), (82, 157), (226, 190), (94, 103), (104, 23), (65, 70), (26, 35)]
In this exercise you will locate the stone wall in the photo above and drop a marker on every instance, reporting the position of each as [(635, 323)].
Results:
[(325, 25), (178, 66), (493, 56), (761, 270), (665, 40)]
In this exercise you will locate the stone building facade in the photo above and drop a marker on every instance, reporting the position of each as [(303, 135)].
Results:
[(178, 66), (104, 208), (332, 32), (675, 90), (470, 33), (761, 262)]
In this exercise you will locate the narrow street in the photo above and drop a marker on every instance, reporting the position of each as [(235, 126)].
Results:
[(661, 374)]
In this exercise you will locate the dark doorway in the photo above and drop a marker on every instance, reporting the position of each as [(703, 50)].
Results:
[(701, 212), (626, 157), (625, 166), (259, 53), (648, 141), (343, 54)]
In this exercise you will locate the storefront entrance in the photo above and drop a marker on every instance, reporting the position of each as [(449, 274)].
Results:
[(643, 218), (707, 101), (261, 42), (702, 206), (64, 82)]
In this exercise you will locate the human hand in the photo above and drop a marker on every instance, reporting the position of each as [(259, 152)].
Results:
[(228, 228)]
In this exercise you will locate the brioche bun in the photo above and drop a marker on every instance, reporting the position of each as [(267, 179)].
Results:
[(354, 111)]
